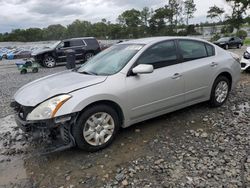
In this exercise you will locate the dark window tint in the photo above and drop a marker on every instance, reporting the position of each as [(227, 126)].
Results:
[(66, 44), (210, 50), (76, 43), (191, 50), (91, 42), (160, 55)]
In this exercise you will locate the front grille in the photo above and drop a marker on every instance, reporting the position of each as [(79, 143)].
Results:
[(65, 134), (243, 65)]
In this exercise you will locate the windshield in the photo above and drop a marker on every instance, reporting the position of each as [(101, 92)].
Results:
[(54, 45), (224, 39), (111, 60)]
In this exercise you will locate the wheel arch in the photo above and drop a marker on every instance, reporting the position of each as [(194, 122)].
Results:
[(228, 76), (110, 103)]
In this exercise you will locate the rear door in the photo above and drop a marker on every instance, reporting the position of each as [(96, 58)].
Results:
[(199, 66), (78, 46), (152, 94)]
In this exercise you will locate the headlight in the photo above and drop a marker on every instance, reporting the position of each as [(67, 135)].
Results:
[(48, 109), (222, 43), (247, 55)]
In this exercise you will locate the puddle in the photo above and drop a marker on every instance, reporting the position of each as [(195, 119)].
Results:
[(12, 170)]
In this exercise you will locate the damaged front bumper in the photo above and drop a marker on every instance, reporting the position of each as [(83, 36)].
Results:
[(56, 131)]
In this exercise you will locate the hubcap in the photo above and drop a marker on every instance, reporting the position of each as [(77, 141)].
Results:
[(50, 62), (98, 129), (221, 92)]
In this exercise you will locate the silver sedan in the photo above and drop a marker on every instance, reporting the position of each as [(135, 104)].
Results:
[(127, 83)]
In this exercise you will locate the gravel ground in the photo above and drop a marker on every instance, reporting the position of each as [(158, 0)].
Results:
[(194, 147)]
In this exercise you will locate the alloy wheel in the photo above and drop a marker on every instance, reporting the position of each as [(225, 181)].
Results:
[(98, 129), (49, 62), (221, 91)]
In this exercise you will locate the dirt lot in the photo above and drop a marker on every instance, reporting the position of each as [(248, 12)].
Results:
[(194, 147)]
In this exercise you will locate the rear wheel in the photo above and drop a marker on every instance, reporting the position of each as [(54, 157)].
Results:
[(96, 128), (49, 61), (35, 70), (23, 71), (220, 91)]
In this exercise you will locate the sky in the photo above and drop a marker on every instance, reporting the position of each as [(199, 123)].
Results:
[(16, 14)]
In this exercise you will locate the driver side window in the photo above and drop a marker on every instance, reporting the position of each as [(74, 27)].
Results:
[(160, 55)]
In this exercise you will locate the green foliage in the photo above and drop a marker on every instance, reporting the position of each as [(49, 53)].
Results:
[(215, 12), (227, 29), (242, 34), (247, 42), (215, 37), (239, 8), (189, 9), (166, 20)]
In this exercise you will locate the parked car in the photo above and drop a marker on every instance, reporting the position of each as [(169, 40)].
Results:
[(245, 60), (128, 83), (229, 42), (84, 48), (22, 54)]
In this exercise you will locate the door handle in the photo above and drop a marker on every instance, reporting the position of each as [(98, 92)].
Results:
[(213, 64), (176, 76)]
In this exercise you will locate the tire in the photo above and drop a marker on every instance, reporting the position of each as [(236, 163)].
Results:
[(239, 46), (49, 61), (23, 71), (35, 70), (88, 56), (227, 47), (85, 134), (220, 91)]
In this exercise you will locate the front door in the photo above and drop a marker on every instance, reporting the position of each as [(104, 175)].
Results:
[(152, 94)]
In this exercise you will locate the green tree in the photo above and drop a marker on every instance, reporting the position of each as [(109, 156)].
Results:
[(189, 9), (239, 8), (131, 20), (215, 12)]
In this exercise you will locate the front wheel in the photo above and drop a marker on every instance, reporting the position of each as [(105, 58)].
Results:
[(96, 128), (88, 56), (49, 62), (227, 47), (239, 46), (220, 91)]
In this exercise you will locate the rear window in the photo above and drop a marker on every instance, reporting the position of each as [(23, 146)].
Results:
[(210, 50), (191, 50), (76, 43), (91, 42)]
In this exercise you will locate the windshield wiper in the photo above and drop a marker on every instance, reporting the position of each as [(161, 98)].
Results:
[(88, 73)]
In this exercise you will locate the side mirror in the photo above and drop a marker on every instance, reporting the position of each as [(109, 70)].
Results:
[(143, 69)]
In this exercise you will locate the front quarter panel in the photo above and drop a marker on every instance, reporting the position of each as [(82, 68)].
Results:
[(100, 92)]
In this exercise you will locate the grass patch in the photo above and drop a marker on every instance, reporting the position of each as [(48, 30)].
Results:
[(247, 42)]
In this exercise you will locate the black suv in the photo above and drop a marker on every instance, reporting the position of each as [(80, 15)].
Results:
[(228, 42), (84, 49)]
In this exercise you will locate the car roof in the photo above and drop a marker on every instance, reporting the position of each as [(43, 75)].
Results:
[(151, 40), (80, 38)]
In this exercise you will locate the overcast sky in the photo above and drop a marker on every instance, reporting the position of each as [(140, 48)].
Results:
[(41, 13)]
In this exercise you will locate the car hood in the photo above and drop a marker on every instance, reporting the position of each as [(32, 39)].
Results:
[(49, 86), (41, 51)]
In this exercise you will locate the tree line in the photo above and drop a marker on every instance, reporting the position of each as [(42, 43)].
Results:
[(171, 19)]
